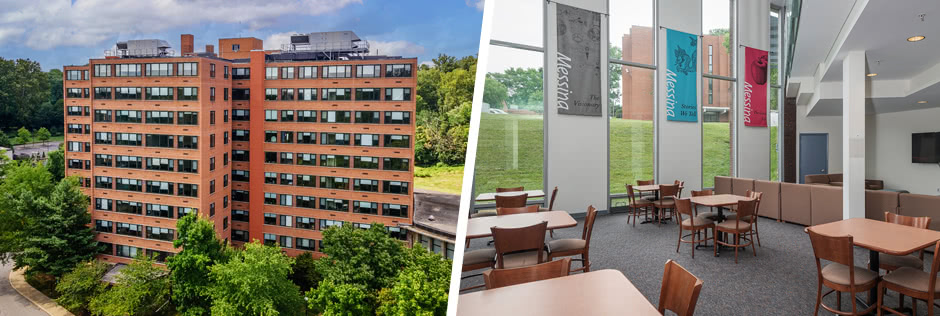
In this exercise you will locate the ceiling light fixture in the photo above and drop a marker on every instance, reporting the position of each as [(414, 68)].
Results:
[(917, 38), (921, 102), (872, 74)]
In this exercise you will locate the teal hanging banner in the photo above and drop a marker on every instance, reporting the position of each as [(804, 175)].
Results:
[(681, 76)]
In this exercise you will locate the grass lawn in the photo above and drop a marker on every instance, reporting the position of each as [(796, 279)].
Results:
[(510, 152), (36, 141), (448, 179)]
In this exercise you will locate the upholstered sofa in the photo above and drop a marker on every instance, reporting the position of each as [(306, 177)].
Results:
[(835, 179), (814, 204)]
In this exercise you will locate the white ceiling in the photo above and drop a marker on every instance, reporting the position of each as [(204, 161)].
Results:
[(907, 72)]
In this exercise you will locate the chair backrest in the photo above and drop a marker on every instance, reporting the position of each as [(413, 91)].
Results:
[(680, 290), (512, 200), (498, 190), (756, 196), (837, 249), (517, 210), (934, 267), (703, 192), (645, 182), (746, 208), (668, 190), (918, 222), (588, 225), (681, 185), (684, 206), (509, 240), (630, 194), (496, 278), (551, 203)]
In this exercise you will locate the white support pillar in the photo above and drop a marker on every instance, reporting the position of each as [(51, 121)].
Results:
[(854, 84)]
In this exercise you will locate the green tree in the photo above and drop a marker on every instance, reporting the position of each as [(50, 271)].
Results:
[(23, 194), (614, 72), (78, 287), (726, 37), (494, 93), (140, 289), (524, 86), (43, 135), (55, 164), (359, 263), (304, 272), (201, 249), (420, 289), (23, 88), (61, 236), (254, 282), (23, 136), (445, 91)]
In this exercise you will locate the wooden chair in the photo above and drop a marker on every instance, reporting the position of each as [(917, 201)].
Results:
[(916, 283), (517, 210), (679, 291), (693, 224), (651, 196), (516, 189), (667, 200), (754, 232), (637, 205), (505, 277), (711, 210), (512, 200), (681, 185), (572, 246), (475, 260), (551, 206), (738, 227), (520, 247), (841, 275), (890, 262)]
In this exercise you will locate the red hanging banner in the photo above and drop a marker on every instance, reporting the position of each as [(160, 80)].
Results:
[(755, 87)]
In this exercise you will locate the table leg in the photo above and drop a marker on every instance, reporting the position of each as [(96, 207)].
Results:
[(873, 265)]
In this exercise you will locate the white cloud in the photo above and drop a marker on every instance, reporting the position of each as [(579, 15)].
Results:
[(50, 24), (395, 48), (275, 40), (478, 4), (8, 33)]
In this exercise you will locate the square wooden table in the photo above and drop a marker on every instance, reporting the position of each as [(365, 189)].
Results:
[(880, 236), (719, 201), (603, 292), (480, 227), (652, 188)]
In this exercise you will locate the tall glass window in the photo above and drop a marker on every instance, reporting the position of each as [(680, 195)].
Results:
[(775, 118), (718, 93)]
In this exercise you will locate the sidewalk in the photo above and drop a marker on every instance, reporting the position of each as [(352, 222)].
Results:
[(18, 281)]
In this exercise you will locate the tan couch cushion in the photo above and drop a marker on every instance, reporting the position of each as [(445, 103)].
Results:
[(770, 201), (879, 202), (839, 274), (817, 178), (827, 204), (920, 205), (911, 278), (739, 186), (722, 185), (795, 206), (835, 177)]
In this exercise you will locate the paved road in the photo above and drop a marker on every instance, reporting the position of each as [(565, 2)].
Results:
[(11, 302), (37, 148)]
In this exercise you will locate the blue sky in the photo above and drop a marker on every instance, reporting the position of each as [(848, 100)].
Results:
[(67, 32)]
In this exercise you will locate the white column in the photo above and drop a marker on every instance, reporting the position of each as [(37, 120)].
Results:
[(854, 82)]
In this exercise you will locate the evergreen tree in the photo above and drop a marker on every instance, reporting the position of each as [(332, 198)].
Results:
[(61, 236)]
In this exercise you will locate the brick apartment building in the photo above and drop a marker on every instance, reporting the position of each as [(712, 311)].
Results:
[(637, 84), (269, 145)]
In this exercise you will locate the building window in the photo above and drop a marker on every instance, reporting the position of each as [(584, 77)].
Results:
[(159, 117), (102, 226), (395, 210), (212, 70), (241, 115), (127, 116), (187, 69), (307, 94), (103, 93), (159, 70), (160, 233), (402, 70), (395, 187), (73, 93), (129, 207), (128, 229), (236, 47), (103, 204), (334, 205), (127, 70), (287, 94), (102, 160), (103, 70), (307, 72), (225, 74), (368, 71), (127, 251), (335, 116), (103, 182), (240, 235), (307, 116), (130, 162), (240, 195), (73, 75), (239, 155), (397, 94), (240, 175), (270, 73), (127, 139), (371, 140), (187, 189), (306, 159), (286, 200), (159, 210), (304, 180), (337, 94), (305, 223), (368, 94), (241, 73), (187, 93), (338, 139), (367, 117), (366, 185), (327, 223), (306, 202), (102, 138), (337, 183), (188, 142), (363, 162), (338, 71), (366, 207), (162, 93), (160, 164), (185, 165), (336, 161), (270, 94), (287, 72), (287, 158), (287, 115), (211, 93), (398, 141), (160, 187), (127, 93), (397, 117), (183, 211), (240, 216), (164, 141)]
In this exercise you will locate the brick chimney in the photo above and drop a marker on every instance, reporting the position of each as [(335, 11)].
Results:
[(210, 48), (186, 44)]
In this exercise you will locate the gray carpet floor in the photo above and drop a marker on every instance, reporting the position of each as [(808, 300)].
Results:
[(780, 280)]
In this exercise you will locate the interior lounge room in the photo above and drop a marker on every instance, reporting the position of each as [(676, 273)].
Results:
[(710, 157)]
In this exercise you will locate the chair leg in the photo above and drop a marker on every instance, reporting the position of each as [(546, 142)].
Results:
[(752, 247), (818, 297), (839, 300), (715, 242), (693, 245), (757, 233), (737, 241), (881, 295), (586, 263), (900, 301), (679, 241)]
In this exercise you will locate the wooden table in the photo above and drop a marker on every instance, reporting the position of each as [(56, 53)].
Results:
[(603, 292), (480, 227), (719, 201), (485, 197), (652, 188), (879, 236)]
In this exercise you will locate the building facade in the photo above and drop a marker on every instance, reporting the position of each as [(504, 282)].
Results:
[(269, 146)]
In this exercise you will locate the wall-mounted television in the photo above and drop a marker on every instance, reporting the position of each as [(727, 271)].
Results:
[(925, 147)]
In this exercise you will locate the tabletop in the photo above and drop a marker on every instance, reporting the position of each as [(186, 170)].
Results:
[(480, 227), (718, 199), (650, 187), (492, 195), (603, 292), (880, 236)]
